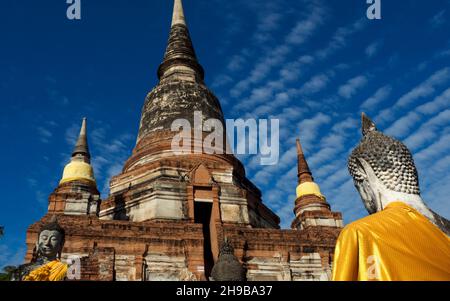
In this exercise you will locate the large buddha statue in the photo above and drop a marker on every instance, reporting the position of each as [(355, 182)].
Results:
[(46, 264), (401, 239)]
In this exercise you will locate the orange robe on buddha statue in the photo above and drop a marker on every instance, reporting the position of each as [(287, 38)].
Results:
[(395, 244)]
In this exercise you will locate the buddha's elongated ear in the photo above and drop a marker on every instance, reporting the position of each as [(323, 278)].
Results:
[(35, 254), (360, 172), (366, 170)]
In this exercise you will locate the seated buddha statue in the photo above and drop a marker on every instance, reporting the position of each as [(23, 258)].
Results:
[(46, 264), (402, 239)]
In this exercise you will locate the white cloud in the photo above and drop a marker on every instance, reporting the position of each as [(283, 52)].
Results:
[(236, 63), (305, 28), (380, 95), (440, 102), (339, 39), (337, 178), (263, 93), (309, 128), (71, 134), (221, 80), (403, 125), (438, 19), (44, 134), (268, 22), (434, 151), (315, 84), (292, 70), (425, 89), (261, 70), (345, 198), (373, 49), (298, 35), (436, 196), (428, 131), (352, 86)]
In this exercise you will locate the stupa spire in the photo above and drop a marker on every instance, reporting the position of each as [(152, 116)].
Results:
[(311, 207), (304, 173), (80, 167), (81, 147), (180, 60), (178, 13)]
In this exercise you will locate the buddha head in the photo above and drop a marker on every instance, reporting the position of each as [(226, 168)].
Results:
[(382, 168), (50, 241), (227, 267)]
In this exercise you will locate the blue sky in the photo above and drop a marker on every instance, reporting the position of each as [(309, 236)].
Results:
[(315, 65)]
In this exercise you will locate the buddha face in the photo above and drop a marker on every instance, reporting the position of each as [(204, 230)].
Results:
[(49, 243)]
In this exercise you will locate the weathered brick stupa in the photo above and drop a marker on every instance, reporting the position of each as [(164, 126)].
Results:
[(167, 216)]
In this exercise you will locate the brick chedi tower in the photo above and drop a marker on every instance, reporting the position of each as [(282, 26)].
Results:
[(77, 192), (311, 207), (171, 186), (168, 213)]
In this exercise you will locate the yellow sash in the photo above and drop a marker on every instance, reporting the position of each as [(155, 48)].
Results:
[(52, 271)]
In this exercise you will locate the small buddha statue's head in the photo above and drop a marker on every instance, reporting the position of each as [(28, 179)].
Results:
[(227, 267), (382, 168), (50, 241)]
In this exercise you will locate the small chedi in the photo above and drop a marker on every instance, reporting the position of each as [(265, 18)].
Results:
[(167, 215), (227, 267), (45, 264), (402, 239)]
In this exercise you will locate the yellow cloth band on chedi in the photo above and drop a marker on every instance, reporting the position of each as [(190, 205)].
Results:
[(77, 170), (309, 188)]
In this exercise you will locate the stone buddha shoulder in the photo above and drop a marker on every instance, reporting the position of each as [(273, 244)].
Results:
[(46, 264), (401, 239)]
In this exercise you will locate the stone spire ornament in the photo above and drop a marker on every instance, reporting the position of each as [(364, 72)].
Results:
[(181, 90), (180, 60), (80, 167), (311, 207), (227, 267), (178, 13), (77, 192), (81, 148), (306, 186), (304, 173)]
